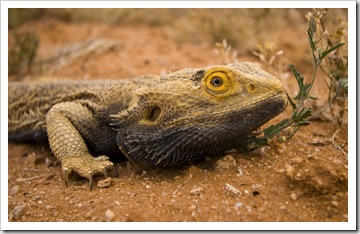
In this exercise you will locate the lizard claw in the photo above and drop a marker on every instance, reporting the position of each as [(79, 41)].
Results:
[(91, 181), (86, 166), (105, 173), (116, 170), (66, 176)]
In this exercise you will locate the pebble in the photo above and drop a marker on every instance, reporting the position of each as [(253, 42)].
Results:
[(192, 207), (290, 171), (280, 171), (88, 214), (334, 203), (14, 190), (239, 204), (196, 191), (49, 162), (40, 202), (297, 160), (225, 163), (255, 186), (109, 215), (105, 183), (17, 212), (293, 196)]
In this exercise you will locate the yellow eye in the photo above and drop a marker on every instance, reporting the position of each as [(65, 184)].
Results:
[(217, 82)]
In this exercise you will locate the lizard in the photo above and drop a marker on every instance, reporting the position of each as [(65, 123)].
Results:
[(161, 120)]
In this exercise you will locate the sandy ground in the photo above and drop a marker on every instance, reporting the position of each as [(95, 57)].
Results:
[(304, 179)]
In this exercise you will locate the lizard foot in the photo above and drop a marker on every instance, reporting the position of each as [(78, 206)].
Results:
[(86, 166)]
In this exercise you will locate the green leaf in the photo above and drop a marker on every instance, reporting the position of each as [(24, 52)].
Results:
[(326, 52), (343, 84), (273, 130), (292, 103), (304, 123), (254, 143), (313, 97), (303, 114), (298, 77), (304, 88)]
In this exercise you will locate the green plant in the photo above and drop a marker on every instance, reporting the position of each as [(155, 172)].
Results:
[(334, 66), (22, 53), (301, 114)]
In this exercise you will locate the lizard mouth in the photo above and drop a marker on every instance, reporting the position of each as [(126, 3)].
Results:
[(278, 97)]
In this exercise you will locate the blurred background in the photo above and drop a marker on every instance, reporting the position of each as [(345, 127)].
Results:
[(142, 41)]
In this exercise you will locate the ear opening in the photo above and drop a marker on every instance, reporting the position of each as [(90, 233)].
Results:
[(153, 114)]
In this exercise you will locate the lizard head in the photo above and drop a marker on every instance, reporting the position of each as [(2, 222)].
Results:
[(189, 114)]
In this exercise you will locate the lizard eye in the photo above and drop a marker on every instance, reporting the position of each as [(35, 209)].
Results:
[(217, 82)]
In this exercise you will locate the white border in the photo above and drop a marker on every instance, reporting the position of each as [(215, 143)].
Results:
[(350, 225)]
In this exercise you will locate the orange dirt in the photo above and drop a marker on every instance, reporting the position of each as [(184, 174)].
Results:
[(304, 179)]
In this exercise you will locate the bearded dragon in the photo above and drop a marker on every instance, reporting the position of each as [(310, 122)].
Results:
[(167, 120)]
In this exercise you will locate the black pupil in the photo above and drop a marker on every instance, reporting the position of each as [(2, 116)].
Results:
[(216, 81)]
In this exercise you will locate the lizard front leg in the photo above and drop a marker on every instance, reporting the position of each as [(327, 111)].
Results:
[(64, 123)]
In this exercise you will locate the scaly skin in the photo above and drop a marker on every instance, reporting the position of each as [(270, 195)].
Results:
[(165, 120)]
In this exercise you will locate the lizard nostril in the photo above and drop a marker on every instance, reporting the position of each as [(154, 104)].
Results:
[(250, 87), (153, 114)]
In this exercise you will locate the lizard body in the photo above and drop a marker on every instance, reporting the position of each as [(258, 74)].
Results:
[(164, 120)]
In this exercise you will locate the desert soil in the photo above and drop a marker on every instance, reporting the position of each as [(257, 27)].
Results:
[(303, 179)]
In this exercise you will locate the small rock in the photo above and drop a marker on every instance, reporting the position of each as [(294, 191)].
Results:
[(297, 160), (40, 202), (293, 196), (109, 215), (17, 212), (105, 183), (88, 214), (334, 203), (255, 186), (238, 204), (280, 171), (192, 207), (14, 190), (196, 191), (290, 171), (49, 162), (310, 157), (225, 163)]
